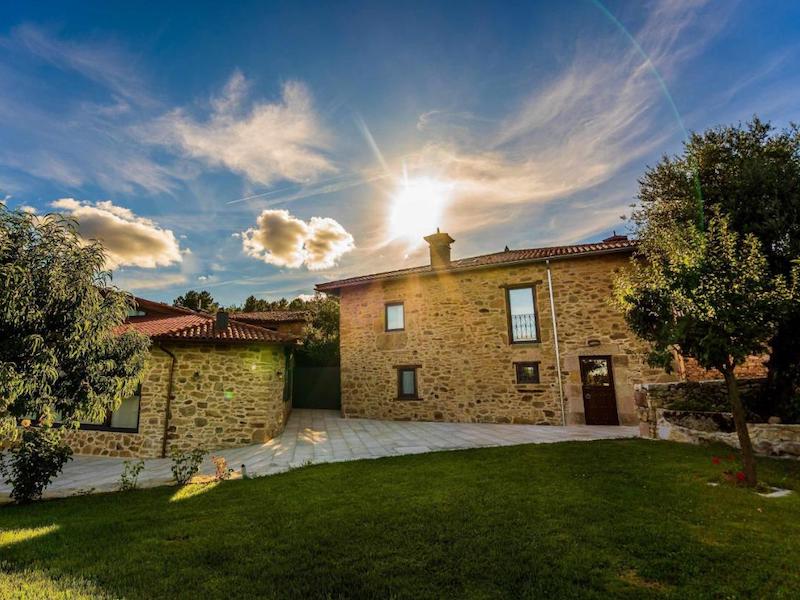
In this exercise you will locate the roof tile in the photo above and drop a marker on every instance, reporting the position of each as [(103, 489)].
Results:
[(498, 258), (198, 327)]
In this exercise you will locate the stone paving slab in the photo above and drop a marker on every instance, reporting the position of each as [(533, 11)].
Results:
[(319, 436)]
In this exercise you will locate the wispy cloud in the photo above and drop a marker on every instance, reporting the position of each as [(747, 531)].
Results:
[(129, 240), (284, 240), (79, 136), (271, 141), (605, 110)]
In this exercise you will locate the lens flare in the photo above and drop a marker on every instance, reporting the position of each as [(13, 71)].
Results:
[(417, 208)]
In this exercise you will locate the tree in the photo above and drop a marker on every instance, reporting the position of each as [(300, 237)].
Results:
[(321, 336), (61, 358), (752, 173), (709, 295), (195, 300)]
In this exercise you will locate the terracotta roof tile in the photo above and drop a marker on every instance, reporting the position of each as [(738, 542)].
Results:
[(198, 327), (273, 315), (508, 257)]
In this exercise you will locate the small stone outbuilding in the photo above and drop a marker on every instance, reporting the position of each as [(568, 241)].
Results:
[(211, 382)]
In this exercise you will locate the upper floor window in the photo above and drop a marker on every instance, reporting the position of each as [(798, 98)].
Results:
[(395, 316), (522, 326)]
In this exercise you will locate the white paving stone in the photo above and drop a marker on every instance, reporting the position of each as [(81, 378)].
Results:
[(317, 436)]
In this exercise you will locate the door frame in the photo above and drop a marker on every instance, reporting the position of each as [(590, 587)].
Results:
[(612, 385)]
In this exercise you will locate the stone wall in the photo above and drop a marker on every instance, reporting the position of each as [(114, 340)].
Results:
[(224, 395), (754, 367), (660, 420), (456, 330)]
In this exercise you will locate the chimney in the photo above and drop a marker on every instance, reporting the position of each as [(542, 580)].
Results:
[(221, 323), (616, 238), (440, 249)]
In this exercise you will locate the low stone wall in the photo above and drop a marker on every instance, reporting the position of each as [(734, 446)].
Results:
[(658, 420)]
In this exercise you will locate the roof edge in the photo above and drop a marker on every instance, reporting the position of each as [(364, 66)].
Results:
[(335, 286)]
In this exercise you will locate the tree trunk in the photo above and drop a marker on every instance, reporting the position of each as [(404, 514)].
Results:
[(740, 420)]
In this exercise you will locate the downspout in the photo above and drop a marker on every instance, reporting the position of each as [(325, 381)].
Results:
[(169, 398), (555, 344)]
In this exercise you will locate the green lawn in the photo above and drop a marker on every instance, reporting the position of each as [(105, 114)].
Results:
[(627, 518)]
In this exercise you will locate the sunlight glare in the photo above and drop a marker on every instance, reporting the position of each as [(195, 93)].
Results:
[(417, 208)]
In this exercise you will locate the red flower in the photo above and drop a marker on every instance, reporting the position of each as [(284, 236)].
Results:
[(740, 476), (715, 460)]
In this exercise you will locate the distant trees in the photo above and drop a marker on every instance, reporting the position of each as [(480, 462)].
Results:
[(195, 300), (61, 359)]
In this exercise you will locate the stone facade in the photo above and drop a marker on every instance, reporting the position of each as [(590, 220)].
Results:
[(456, 333), (753, 367), (224, 395)]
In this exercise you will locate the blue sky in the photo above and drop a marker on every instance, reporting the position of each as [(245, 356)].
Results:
[(259, 148)]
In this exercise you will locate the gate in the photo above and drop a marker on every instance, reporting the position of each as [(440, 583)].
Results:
[(316, 387)]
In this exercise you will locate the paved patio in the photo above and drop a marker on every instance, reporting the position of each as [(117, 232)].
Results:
[(317, 436)]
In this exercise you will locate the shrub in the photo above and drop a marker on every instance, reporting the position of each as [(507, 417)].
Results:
[(186, 464), (129, 478), (35, 460), (222, 472)]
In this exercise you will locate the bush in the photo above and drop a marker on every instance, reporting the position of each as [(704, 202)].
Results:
[(34, 461), (222, 472), (186, 464), (130, 475)]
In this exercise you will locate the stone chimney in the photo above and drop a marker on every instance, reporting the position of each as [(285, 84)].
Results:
[(221, 322), (440, 249), (615, 237)]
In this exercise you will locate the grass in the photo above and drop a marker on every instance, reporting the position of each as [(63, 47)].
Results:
[(624, 518)]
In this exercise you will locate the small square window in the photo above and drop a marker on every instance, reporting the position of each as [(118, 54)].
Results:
[(527, 372), (407, 383), (395, 317)]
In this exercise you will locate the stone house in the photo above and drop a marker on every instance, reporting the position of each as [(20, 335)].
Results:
[(210, 382), (291, 322), (519, 336)]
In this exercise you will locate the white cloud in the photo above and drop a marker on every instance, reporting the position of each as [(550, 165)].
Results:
[(281, 140), (129, 240), (286, 241)]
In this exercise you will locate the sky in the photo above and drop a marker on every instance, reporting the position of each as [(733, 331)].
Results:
[(262, 147)]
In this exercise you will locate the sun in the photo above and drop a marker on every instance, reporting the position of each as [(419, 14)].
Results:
[(417, 208)]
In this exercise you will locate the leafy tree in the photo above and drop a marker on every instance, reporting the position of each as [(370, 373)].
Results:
[(197, 301), (709, 295), (320, 337), (752, 173), (60, 356)]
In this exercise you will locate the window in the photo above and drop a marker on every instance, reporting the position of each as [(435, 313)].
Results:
[(407, 383), (395, 317), (124, 419), (527, 372), (522, 323)]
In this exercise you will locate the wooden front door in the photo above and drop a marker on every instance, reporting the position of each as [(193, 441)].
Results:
[(599, 399)]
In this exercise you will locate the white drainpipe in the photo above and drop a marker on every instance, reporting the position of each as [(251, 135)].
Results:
[(555, 344)]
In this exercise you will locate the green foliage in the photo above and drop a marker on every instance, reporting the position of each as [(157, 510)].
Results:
[(35, 459), (751, 174), (195, 300), (321, 336), (61, 357), (708, 294), (129, 478), (186, 464)]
